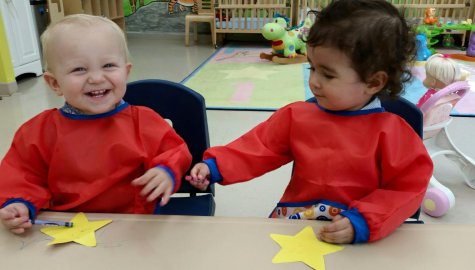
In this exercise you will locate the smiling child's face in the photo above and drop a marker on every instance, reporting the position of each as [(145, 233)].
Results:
[(88, 67)]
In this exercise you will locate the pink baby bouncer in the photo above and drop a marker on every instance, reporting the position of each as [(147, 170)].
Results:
[(436, 110)]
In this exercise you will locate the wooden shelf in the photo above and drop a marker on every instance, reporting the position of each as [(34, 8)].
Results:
[(111, 9)]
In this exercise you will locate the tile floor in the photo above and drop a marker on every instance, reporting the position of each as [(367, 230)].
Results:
[(164, 56)]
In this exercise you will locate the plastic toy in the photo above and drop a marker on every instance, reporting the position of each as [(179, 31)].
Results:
[(432, 31), (438, 199), (447, 84), (429, 16), (285, 43), (441, 71), (422, 52), (471, 46), (448, 41), (470, 53)]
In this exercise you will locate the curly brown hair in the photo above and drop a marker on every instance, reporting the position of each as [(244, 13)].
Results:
[(373, 34)]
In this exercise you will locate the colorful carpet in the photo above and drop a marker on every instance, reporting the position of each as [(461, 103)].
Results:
[(235, 78)]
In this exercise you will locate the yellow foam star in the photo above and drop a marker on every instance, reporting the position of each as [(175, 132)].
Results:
[(303, 247), (82, 232), (247, 73)]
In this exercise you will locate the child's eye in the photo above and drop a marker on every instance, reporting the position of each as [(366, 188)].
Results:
[(109, 65), (79, 69), (321, 73)]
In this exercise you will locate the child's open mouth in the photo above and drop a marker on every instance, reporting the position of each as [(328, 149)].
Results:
[(98, 93)]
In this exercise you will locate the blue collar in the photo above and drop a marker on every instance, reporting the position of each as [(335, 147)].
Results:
[(73, 113), (373, 107)]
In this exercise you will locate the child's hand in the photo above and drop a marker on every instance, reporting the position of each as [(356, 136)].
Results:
[(15, 217), (156, 182), (199, 176), (339, 231)]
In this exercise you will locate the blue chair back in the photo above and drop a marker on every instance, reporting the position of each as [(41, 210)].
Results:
[(186, 110), (407, 111)]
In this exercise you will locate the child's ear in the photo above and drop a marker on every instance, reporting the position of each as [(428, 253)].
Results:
[(129, 67), (376, 82), (52, 83)]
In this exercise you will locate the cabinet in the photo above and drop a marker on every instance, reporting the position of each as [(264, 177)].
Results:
[(112, 9), (22, 37)]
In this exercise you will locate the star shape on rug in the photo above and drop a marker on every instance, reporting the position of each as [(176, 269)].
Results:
[(303, 247), (82, 232), (248, 72)]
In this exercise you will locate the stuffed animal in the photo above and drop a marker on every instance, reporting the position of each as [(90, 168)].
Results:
[(285, 42), (287, 45), (429, 16)]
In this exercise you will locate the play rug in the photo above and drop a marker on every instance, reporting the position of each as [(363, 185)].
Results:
[(235, 78)]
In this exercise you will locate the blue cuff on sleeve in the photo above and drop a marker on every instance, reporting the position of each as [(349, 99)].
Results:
[(359, 224), (170, 173), (29, 205), (213, 168)]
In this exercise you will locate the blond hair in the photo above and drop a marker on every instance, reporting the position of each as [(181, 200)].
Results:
[(84, 20), (444, 69)]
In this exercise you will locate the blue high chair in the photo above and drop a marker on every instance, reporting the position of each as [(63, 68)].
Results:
[(186, 110)]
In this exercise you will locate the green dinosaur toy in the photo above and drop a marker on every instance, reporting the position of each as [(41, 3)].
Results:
[(285, 43)]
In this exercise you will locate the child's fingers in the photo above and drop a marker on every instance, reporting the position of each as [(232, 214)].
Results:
[(166, 197), (199, 171), (192, 174), (340, 231), (145, 178), (194, 171), (6, 214), (139, 181), (150, 187), (13, 210), (338, 237), (201, 184), (15, 222), (17, 225), (204, 185), (22, 210), (162, 190), (338, 223)]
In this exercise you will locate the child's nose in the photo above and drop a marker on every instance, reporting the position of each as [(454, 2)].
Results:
[(314, 81), (95, 76)]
